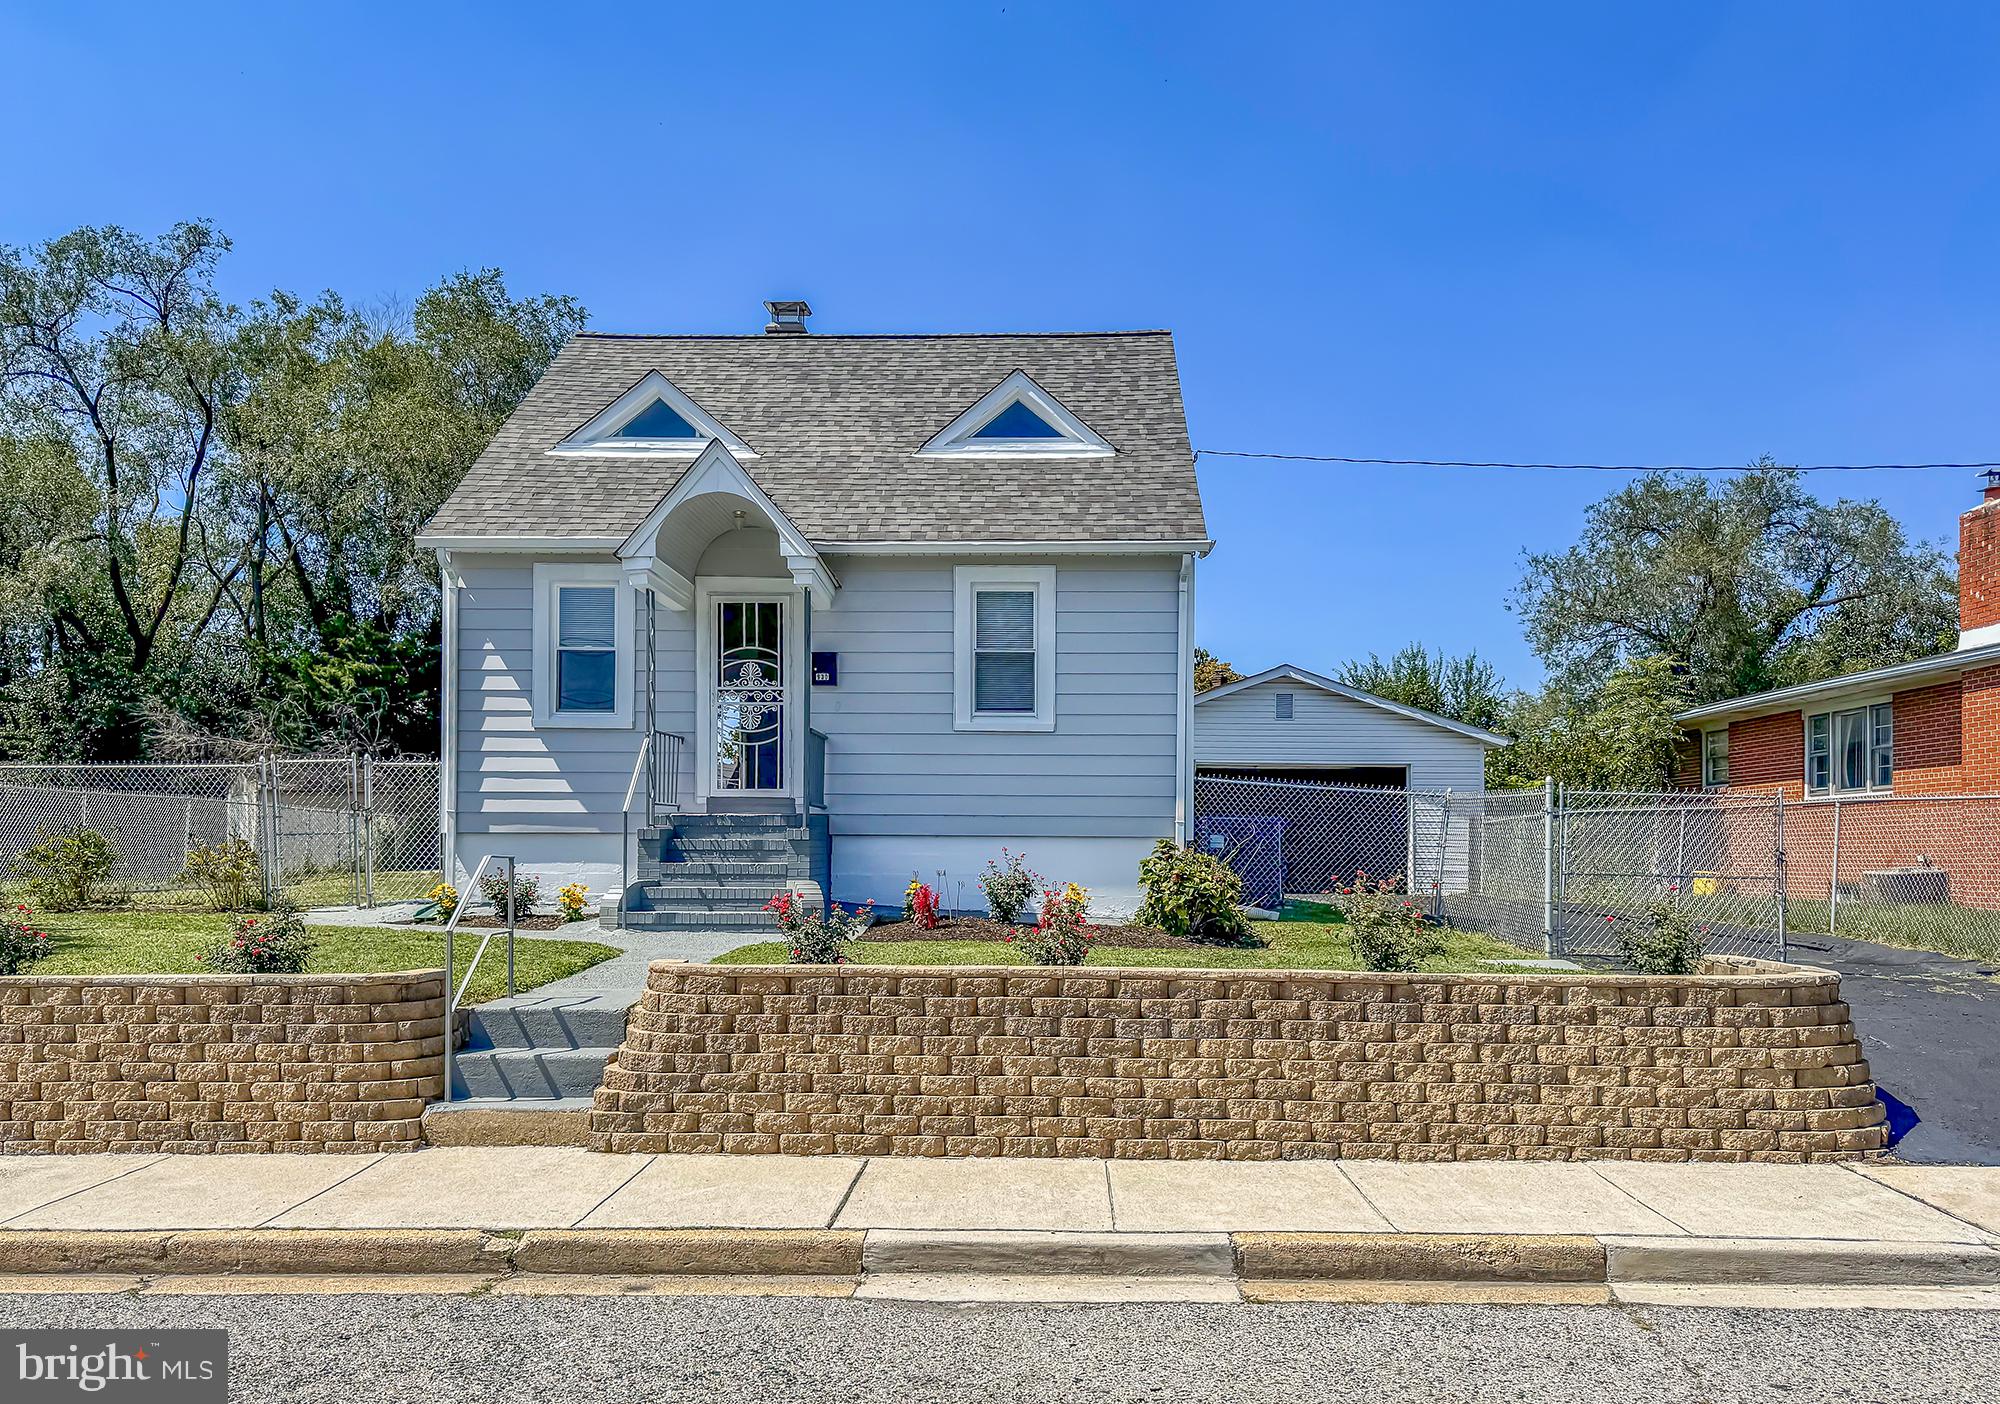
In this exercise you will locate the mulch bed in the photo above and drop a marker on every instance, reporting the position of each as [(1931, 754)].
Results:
[(986, 929), (526, 923)]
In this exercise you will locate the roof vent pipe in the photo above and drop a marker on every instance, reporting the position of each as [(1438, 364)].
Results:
[(787, 318)]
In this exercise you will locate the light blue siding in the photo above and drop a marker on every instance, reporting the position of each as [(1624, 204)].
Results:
[(895, 766)]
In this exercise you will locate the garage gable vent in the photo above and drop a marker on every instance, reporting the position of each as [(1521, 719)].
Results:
[(1284, 706)]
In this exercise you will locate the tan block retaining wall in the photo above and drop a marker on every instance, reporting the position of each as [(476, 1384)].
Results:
[(218, 1062), (1754, 1062)]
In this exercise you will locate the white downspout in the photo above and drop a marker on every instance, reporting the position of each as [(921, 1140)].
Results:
[(1184, 712), (448, 583)]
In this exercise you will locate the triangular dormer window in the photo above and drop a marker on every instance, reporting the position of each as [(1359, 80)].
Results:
[(652, 419), (1017, 419)]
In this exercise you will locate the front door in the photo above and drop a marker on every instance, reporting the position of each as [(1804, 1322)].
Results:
[(752, 695)]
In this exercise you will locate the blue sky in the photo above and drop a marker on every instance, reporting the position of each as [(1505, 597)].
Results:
[(1607, 232)]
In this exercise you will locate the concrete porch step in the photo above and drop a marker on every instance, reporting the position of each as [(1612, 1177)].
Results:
[(710, 894), (732, 871), (549, 1022), (545, 1074), (760, 849), (756, 924)]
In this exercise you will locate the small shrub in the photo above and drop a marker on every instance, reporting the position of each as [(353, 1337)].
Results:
[(920, 905), (65, 869), (1666, 942), (275, 943), (570, 898), (446, 897), (21, 943), (1008, 883), (1061, 936), (1390, 929), (527, 892), (228, 872), (1193, 895), (814, 936)]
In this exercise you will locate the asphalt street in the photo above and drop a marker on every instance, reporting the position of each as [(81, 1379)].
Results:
[(1930, 1026), (718, 1350)]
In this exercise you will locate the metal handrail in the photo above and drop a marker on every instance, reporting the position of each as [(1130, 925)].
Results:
[(450, 964), (625, 824)]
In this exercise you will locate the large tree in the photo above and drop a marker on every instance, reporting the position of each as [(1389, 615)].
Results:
[(1741, 584), (1465, 689), (208, 513), (1621, 736)]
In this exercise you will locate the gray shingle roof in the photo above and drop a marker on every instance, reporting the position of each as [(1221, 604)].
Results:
[(836, 422)]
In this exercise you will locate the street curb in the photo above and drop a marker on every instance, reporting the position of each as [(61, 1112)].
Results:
[(1272, 1259), (253, 1251), (1420, 1257), (1799, 1262), (1011, 1252), (759, 1252)]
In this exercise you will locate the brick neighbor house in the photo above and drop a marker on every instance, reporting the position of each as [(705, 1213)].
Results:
[(1918, 742)]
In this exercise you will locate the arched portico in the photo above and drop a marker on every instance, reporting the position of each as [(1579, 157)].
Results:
[(717, 548)]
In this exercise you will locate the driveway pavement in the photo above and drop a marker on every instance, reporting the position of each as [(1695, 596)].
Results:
[(1931, 1028)]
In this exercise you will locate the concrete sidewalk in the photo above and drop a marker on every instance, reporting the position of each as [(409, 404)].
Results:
[(502, 1189), (563, 1221)]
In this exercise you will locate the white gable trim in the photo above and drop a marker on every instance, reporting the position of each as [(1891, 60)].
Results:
[(594, 439), (1285, 672), (955, 439), (717, 471)]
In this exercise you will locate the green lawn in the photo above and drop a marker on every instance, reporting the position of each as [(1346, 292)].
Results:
[(168, 943), (334, 889), (1294, 945)]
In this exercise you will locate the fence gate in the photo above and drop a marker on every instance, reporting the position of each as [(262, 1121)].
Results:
[(1718, 857)]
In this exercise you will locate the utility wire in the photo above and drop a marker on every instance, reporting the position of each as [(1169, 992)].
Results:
[(1587, 467)]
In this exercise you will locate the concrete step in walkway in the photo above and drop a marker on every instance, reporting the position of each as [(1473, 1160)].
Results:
[(538, 1048)]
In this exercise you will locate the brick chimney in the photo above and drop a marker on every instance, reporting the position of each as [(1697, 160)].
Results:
[(1979, 569)]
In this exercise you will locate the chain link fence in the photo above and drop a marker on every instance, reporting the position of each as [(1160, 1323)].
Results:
[(317, 831), (1560, 870)]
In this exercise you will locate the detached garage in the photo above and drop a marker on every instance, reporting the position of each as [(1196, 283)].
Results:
[(1312, 775)]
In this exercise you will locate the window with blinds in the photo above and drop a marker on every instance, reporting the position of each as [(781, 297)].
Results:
[(586, 648), (1003, 651)]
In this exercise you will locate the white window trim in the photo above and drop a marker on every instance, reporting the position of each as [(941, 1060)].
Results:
[(594, 439), (1830, 710), (1708, 780), (549, 577), (965, 581), (955, 439)]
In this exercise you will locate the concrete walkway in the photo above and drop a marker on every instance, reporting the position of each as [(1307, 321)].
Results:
[(515, 1188)]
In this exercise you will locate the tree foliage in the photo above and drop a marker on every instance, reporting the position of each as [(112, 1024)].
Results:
[(1741, 585), (1212, 672), (208, 513), (1620, 736), (1464, 689)]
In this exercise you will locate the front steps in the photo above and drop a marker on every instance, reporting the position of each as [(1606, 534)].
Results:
[(528, 1070), (715, 872)]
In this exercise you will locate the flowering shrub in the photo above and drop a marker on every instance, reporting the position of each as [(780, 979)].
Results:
[(64, 869), (227, 871), (446, 897), (274, 944), (1061, 936), (1390, 930), (570, 898), (21, 945), (814, 936), (920, 905), (1668, 942), (1008, 883), (527, 892), (1193, 895)]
